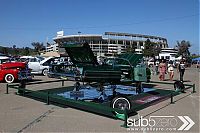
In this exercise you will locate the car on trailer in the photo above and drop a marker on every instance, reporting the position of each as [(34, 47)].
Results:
[(126, 63), (125, 69), (105, 92)]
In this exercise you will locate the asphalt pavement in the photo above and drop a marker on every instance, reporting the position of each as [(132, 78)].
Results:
[(21, 114)]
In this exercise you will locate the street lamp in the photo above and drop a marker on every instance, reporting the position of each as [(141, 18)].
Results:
[(79, 36)]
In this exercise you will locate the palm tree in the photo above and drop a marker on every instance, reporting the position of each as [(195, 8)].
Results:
[(5, 50), (183, 48), (15, 50), (38, 46), (151, 49)]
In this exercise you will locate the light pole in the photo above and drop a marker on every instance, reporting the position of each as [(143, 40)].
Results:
[(79, 36)]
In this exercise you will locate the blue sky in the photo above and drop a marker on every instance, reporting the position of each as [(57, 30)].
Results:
[(25, 21)]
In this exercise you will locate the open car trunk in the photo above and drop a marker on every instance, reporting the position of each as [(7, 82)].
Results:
[(82, 56)]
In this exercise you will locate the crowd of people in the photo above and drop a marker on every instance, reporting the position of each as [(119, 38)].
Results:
[(162, 68)]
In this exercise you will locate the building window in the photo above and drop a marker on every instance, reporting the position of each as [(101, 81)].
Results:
[(167, 57)]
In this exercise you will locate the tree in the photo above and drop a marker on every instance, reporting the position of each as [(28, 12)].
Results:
[(130, 49), (25, 51), (15, 50), (14, 46), (38, 47), (156, 49), (5, 50), (183, 49), (151, 49)]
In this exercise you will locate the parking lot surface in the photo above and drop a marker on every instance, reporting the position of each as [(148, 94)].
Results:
[(21, 114)]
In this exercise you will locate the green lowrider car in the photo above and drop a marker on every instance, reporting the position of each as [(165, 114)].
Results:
[(125, 67)]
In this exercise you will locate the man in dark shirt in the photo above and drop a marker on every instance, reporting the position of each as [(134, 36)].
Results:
[(181, 69)]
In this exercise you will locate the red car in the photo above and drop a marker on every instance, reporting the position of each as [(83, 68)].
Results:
[(13, 71)]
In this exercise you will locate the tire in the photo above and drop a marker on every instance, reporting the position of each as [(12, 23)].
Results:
[(121, 102), (45, 72), (9, 78)]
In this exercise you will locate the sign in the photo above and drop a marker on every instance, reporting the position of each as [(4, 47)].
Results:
[(76, 93), (160, 123), (147, 99), (60, 33)]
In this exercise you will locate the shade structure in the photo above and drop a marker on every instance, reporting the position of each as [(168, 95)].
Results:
[(196, 59)]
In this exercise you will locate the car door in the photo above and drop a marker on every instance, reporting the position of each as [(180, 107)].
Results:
[(124, 66), (34, 65)]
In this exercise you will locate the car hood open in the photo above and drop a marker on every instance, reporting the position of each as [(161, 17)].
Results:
[(80, 53)]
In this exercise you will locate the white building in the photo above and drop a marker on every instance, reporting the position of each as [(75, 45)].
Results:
[(168, 54), (111, 43), (52, 48)]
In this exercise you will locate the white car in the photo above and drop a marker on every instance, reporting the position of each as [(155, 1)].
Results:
[(150, 63), (39, 65), (4, 59)]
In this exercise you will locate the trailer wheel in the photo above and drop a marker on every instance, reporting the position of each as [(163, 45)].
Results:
[(178, 85), (9, 78), (120, 102)]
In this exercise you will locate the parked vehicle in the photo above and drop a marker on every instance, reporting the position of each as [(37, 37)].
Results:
[(13, 71), (39, 65), (127, 65), (150, 63), (198, 64), (4, 59), (62, 68), (123, 68), (196, 61)]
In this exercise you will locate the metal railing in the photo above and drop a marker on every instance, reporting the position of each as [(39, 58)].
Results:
[(90, 106)]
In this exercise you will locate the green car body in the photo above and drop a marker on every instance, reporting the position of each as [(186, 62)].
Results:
[(124, 67)]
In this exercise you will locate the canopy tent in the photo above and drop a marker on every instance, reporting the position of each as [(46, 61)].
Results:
[(196, 59), (1, 54)]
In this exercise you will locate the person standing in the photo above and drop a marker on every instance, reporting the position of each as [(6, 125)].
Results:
[(181, 69), (162, 70), (171, 71), (156, 67)]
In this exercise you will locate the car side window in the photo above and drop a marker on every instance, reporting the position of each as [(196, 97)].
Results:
[(47, 63), (109, 61), (33, 60)]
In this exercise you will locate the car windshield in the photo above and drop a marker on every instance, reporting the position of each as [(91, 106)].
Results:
[(109, 61), (4, 60), (116, 61), (41, 58)]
